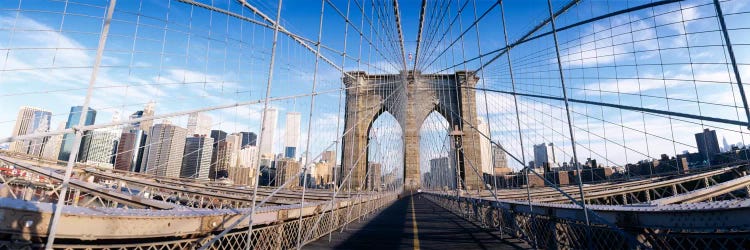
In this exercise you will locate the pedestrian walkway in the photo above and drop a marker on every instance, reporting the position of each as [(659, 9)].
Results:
[(416, 223)]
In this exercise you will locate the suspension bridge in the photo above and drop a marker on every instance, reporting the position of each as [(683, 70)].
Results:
[(357, 124)]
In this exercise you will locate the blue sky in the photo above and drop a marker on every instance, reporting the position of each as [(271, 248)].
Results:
[(185, 57)]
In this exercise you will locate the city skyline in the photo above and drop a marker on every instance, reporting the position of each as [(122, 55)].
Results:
[(130, 92)]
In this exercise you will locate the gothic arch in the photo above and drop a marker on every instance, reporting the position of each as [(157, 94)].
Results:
[(417, 95)]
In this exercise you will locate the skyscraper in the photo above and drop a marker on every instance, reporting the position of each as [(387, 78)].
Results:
[(197, 160), (249, 139), (125, 151), (148, 111), (708, 143), (40, 123), (245, 171), (266, 135), (248, 157), (485, 146), (323, 173), (500, 161), (544, 155), (218, 135), (130, 150), (726, 145), (199, 124), (136, 115), (220, 155), (235, 143), (73, 119), (292, 134), (52, 147), (30, 120), (441, 174), (286, 171), (166, 146), (101, 146), (328, 156)]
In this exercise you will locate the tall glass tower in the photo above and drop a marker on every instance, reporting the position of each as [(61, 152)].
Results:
[(73, 118)]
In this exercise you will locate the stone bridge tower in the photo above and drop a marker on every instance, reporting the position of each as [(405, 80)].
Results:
[(410, 97)]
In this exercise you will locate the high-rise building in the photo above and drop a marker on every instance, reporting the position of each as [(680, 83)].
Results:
[(218, 135), (197, 160), (248, 157), (166, 146), (131, 150), (40, 123), (220, 156), (249, 139), (328, 156), (73, 119), (125, 151), (323, 173), (148, 111), (267, 133), (500, 162), (101, 146), (286, 171), (199, 124), (485, 146), (708, 143), (235, 144), (136, 115), (244, 172), (291, 137), (544, 155), (441, 173), (52, 147), (242, 176), (30, 120)]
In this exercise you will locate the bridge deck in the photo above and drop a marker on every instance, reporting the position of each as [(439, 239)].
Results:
[(396, 226)]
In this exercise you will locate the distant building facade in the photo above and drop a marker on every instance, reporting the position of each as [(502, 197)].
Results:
[(199, 124), (544, 156), (249, 139), (708, 144), (286, 171), (101, 146), (166, 147), (291, 137), (197, 159), (68, 139), (267, 133)]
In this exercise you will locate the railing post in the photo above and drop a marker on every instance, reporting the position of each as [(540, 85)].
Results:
[(279, 236)]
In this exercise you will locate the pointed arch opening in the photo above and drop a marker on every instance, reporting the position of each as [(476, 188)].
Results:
[(385, 157), (436, 157)]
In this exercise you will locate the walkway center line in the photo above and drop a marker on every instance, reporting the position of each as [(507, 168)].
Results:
[(415, 231)]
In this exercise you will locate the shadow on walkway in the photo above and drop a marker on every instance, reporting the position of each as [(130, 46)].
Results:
[(437, 228)]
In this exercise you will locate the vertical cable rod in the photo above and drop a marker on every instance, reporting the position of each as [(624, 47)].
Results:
[(567, 112), (57, 209)]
